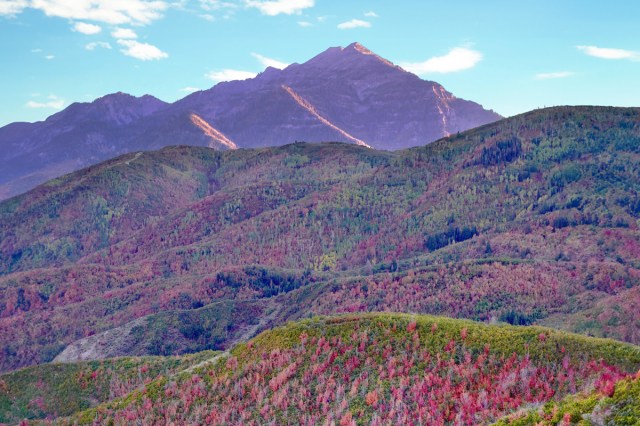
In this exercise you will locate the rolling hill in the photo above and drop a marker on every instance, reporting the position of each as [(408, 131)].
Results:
[(530, 220), (363, 369)]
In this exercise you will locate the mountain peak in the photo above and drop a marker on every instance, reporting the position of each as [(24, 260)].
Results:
[(114, 96), (346, 56), (119, 108), (126, 97), (359, 48)]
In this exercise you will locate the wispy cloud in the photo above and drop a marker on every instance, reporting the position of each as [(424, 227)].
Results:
[(610, 53), (229, 75), (552, 75), (53, 102), (138, 12), (219, 7), (49, 56), (458, 59), (142, 51), (217, 4), (96, 44), (305, 24), (277, 7), (124, 33), (269, 62), (354, 23), (190, 89), (371, 14), (84, 28)]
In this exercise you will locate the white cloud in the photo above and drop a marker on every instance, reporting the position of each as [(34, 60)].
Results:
[(36, 50), (217, 4), (609, 53), (222, 8), (49, 57), (124, 33), (458, 59), (305, 24), (229, 75), (371, 14), (12, 7), (354, 23), (268, 62), (551, 75), (277, 7), (96, 44), (50, 104), (53, 103), (113, 12), (189, 89), (84, 28), (142, 51)]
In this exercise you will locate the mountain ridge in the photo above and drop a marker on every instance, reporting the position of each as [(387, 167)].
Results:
[(350, 95)]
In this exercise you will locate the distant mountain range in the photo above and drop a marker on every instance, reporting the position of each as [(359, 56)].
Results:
[(344, 94)]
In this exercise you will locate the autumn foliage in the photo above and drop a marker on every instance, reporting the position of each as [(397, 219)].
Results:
[(378, 369)]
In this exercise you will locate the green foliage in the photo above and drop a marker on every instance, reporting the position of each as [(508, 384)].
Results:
[(267, 281), (296, 160), (55, 390), (452, 235), (517, 318), (326, 262), (620, 408), (565, 176), (187, 331), (503, 151)]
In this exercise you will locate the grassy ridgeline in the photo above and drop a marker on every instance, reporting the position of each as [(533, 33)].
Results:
[(379, 368)]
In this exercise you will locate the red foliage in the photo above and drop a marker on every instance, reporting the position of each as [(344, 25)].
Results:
[(371, 398), (397, 381), (464, 333)]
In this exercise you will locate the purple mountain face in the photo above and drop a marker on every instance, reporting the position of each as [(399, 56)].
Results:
[(81, 135), (343, 94)]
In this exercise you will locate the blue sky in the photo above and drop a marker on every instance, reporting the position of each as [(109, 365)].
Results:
[(510, 56)]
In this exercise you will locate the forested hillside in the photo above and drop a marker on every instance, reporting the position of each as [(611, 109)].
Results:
[(531, 220), (377, 369)]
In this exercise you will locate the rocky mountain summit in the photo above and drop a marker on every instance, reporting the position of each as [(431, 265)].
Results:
[(343, 94)]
